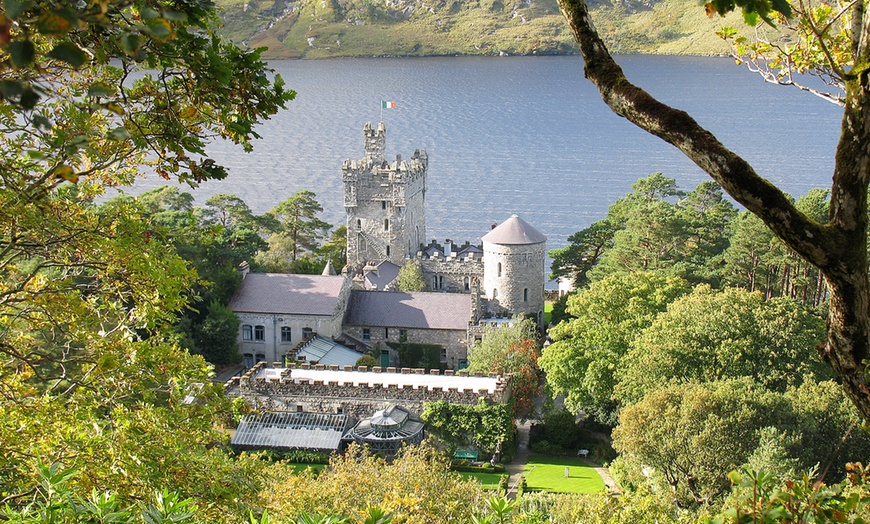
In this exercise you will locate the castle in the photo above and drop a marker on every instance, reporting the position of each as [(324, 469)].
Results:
[(334, 319), (386, 221)]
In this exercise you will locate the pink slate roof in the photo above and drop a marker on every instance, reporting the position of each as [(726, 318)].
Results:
[(514, 231), (288, 294), (409, 310)]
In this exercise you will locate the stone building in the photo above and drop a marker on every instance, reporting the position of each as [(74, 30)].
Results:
[(362, 391), (513, 272), (385, 319), (278, 311), (385, 203), (385, 207)]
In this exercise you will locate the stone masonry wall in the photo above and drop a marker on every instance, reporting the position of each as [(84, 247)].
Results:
[(362, 400), (455, 342), (522, 268)]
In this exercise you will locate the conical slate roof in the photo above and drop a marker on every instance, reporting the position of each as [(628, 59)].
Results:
[(514, 231)]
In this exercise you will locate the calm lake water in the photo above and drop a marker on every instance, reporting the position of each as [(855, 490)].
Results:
[(525, 135)]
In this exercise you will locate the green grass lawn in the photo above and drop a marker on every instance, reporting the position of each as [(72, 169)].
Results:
[(298, 468), (545, 473), (487, 480), (548, 312)]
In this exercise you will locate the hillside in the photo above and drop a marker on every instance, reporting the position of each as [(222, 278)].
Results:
[(335, 28)]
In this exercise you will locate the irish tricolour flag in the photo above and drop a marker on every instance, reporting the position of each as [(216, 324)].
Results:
[(387, 105)]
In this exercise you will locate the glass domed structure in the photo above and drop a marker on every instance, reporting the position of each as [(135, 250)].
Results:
[(388, 430)]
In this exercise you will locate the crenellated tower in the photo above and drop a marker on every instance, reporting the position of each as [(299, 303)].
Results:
[(385, 203)]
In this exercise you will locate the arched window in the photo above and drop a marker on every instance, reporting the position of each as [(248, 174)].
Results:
[(526, 295), (285, 334), (247, 332), (494, 293), (358, 224), (259, 333), (499, 269), (467, 283), (386, 224)]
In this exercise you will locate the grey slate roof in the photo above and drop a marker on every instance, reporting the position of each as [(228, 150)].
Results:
[(288, 294), (408, 310), (386, 273), (325, 351), (315, 431), (514, 231)]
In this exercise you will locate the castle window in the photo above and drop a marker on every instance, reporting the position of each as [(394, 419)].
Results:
[(437, 282), (467, 283), (443, 355), (386, 224), (386, 333), (494, 293), (307, 331), (249, 360), (526, 295), (499, 269), (285, 334), (367, 334), (383, 204), (358, 224), (259, 334), (247, 332), (261, 357), (388, 250)]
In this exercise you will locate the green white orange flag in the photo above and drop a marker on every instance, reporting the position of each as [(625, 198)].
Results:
[(387, 104)]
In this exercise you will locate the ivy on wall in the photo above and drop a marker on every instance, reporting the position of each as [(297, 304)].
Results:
[(482, 426)]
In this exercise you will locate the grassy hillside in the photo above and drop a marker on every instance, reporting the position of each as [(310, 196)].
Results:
[(333, 28)]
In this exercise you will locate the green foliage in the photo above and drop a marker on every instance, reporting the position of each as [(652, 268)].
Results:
[(711, 335), (514, 349), (410, 278), (416, 486), (216, 337), (559, 429), (587, 351), (366, 360), (414, 355), (485, 427), (295, 230)]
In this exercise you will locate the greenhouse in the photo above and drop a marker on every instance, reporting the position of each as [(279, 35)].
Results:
[(388, 430), (289, 430)]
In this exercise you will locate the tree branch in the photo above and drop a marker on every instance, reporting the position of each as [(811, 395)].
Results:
[(676, 127)]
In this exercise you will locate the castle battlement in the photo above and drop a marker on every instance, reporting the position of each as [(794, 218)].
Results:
[(357, 390)]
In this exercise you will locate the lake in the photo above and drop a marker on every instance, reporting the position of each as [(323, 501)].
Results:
[(525, 135)]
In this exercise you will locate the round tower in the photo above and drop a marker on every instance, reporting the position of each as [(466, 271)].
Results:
[(513, 268)]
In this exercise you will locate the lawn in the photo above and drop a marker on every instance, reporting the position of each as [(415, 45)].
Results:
[(487, 480), (298, 468), (544, 473)]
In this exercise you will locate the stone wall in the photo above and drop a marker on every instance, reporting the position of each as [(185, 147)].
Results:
[(517, 272), (453, 274), (385, 203), (454, 342), (287, 394)]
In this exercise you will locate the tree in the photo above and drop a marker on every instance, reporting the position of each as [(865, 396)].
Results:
[(709, 335), (296, 230), (410, 277), (511, 349), (416, 486), (216, 336), (91, 93), (838, 248), (589, 349)]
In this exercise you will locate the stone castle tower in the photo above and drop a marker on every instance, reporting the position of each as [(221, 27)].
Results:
[(385, 203), (513, 268)]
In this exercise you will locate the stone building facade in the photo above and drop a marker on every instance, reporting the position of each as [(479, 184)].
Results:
[(360, 391), (277, 311), (385, 203), (513, 272)]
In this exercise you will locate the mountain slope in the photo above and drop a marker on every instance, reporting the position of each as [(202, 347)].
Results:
[(333, 28)]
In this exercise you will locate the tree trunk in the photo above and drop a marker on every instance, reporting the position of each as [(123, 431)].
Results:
[(838, 249)]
